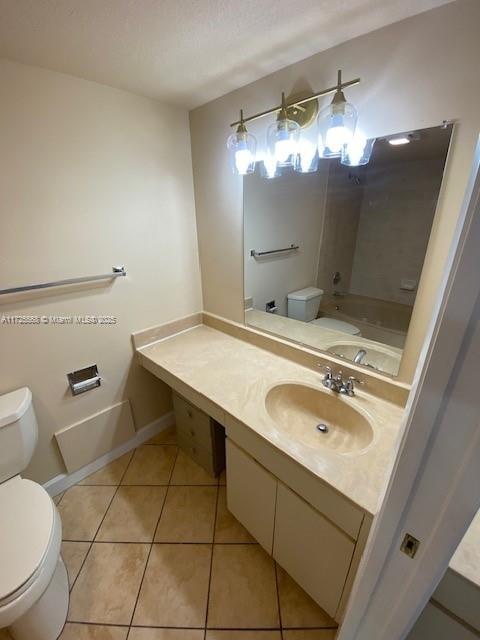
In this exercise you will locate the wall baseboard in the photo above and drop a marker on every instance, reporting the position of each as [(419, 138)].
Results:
[(64, 481)]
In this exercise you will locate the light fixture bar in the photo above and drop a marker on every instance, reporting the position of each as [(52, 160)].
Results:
[(314, 96)]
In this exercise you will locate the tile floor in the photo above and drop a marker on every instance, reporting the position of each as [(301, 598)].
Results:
[(153, 554)]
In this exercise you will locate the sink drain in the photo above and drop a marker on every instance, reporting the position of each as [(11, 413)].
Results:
[(323, 428)]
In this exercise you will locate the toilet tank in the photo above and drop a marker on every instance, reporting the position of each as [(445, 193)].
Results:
[(18, 432), (304, 303)]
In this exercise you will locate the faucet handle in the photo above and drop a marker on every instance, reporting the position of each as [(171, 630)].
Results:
[(353, 379), (328, 371)]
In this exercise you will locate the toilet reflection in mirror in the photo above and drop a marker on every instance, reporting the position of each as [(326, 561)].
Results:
[(333, 259)]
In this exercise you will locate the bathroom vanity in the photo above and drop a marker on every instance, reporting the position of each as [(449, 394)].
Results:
[(307, 495)]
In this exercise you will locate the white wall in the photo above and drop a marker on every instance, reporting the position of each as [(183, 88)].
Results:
[(414, 74), (90, 177), (278, 213)]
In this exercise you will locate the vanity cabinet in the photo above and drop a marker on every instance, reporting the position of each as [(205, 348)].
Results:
[(251, 495), (199, 436), (315, 552)]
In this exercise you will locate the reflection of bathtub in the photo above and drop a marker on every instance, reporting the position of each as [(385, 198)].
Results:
[(378, 320)]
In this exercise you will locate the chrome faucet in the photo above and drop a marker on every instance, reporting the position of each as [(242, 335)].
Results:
[(336, 383), (360, 356)]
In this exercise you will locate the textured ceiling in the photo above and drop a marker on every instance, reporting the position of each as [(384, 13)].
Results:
[(185, 51)]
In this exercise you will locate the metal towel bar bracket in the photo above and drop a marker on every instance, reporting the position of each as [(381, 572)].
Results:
[(258, 254), (116, 272)]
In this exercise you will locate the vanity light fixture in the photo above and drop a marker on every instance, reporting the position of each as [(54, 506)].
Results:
[(282, 138), (286, 147), (241, 147)]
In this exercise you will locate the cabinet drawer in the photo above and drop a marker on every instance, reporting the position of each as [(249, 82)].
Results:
[(203, 456), (311, 549), (193, 424), (251, 495)]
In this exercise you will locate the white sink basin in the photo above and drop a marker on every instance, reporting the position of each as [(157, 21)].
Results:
[(318, 419)]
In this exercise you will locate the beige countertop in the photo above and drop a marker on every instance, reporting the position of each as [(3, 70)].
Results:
[(235, 376)]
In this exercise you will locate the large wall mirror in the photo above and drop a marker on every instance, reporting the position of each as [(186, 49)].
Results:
[(333, 258)]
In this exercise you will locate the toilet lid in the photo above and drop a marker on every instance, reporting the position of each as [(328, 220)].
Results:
[(27, 521), (337, 325), (305, 294)]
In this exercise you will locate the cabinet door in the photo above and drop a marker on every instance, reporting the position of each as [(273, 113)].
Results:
[(251, 495), (311, 549)]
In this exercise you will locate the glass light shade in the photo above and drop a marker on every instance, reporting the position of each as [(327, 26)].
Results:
[(358, 151), (269, 168), (242, 147), (336, 126), (307, 157), (282, 142)]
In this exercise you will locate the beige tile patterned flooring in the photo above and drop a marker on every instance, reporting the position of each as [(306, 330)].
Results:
[(153, 553)]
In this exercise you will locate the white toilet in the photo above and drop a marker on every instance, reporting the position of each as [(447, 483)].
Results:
[(304, 304), (33, 579)]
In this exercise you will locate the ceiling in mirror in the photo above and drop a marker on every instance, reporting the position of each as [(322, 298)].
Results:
[(333, 258)]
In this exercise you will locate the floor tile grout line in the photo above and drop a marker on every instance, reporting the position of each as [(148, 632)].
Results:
[(211, 559), (278, 600), (98, 528), (245, 629), (175, 484), (152, 543), (158, 444), (158, 542)]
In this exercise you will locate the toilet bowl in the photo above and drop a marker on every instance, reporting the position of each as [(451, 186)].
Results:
[(33, 578), (337, 325)]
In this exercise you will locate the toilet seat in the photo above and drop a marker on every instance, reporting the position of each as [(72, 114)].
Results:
[(337, 325), (30, 539)]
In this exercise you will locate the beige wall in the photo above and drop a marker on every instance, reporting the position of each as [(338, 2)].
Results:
[(414, 74), (90, 177)]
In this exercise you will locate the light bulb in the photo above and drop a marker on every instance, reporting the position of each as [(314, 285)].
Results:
[(284, 149), (243, 160), (337, 137)]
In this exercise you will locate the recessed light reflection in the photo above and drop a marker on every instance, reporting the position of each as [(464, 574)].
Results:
[(398, 141)]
